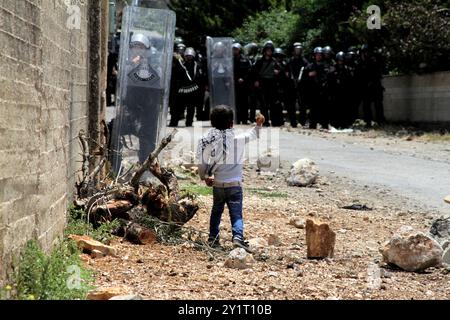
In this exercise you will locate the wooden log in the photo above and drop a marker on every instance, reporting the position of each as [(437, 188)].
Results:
[(151, 159), (137, 234)]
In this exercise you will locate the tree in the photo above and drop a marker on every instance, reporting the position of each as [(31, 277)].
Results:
[(414, 37), (199, 18), (276, 24)]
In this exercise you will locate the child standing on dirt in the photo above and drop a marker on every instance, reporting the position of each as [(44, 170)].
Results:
[(220, 155)]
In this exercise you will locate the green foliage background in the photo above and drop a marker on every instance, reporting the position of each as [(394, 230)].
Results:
[(414, 38)]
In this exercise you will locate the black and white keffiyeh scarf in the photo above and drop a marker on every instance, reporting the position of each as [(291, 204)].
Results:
[(213, 149)]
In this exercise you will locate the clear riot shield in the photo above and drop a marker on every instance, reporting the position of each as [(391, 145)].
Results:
[(220, 72), (145, 66)]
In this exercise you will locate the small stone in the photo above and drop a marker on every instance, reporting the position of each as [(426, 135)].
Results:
[(447, 199), (320, 240), (239, 259), (272, 274), (274, 240), (297, 222), (256, 244), (139, 261)]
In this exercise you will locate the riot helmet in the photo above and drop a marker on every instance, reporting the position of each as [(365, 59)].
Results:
[(181, 48), (279, 52), (340, 56), (318, 50), (251, 49), (190, 52), (140, 39)]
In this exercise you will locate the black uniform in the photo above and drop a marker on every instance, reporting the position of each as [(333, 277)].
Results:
[(242, 69), (264, 73), (189, 93), (315, 84), (370, 74), (255, 93), (294, 93), (340, 80)]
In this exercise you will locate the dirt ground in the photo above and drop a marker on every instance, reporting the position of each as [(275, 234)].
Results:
[(182, 272)]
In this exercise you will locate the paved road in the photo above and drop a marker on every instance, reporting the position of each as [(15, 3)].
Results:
[(425, 182)]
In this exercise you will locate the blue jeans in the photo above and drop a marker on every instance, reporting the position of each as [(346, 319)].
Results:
[(232, 197)]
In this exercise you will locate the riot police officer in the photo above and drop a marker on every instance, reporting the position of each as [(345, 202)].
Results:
[(340, 80), (328, 56), (315, 82), (370, 73), (283, 83), (265, 72), (252, 51), (242, 69), (189, 94), (296, 67)]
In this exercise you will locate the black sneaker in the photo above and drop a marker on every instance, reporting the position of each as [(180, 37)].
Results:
[(215, 244), (238, 243)]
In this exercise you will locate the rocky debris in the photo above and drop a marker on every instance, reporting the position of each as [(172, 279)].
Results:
[(239, 259), (440, 230), (106, 293), (412, 250), (129, 297), (298, 222), (274, 240), (320, 240), (303, 173), (89, 245), (446, 256), (256, 244)]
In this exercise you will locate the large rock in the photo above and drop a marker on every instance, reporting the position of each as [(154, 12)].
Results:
[(440, 230), (320, 240), (304, 173), (88, 245), (106, 293), (239, 259), (412, 250)]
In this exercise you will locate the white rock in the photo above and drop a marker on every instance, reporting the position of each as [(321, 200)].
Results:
[(304, 173), (412, 250), (239, 259)]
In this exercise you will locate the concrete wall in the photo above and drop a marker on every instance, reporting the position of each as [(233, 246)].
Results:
[(43, 103), (418, 98)]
